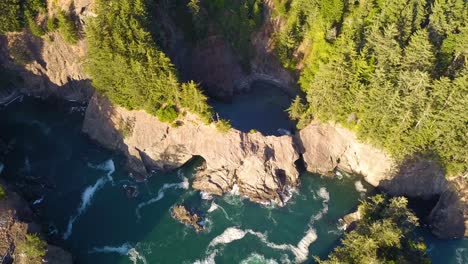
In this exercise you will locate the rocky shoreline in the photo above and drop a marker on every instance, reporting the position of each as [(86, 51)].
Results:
[(262, 167), (16, 221)]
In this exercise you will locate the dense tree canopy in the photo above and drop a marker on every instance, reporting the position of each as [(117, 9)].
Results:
[(385, 234), (16, 14), (128, 67), (398, 68)]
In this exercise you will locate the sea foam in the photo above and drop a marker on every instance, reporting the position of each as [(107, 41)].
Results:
[(124, 250), (257, 258), (88, 194), (181, 185), (360, 187), (300, 251)]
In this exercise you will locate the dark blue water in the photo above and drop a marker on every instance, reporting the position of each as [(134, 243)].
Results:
[(263, 109), (78, 182)]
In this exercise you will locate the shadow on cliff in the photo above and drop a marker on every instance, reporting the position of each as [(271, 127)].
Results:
[(436, 200), (23, 50)]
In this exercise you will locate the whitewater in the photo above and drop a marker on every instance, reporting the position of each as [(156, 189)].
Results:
[(89, 192)]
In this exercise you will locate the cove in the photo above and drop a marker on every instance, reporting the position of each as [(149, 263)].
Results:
[(65, 176), (263, 109)]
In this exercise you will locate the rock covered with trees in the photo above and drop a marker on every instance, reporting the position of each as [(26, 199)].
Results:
[(394, 72)]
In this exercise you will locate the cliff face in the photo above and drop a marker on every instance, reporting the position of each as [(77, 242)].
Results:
[(16, 220), (49, 65), (261, 166), (449, 218), (328, 147)]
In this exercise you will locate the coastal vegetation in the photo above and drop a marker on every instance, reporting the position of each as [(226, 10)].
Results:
[(235, 20), (2, 193), (394, 72), (33, 247), (223, 125), (385, 234), (127, 65), (66, 26), (17, 14)]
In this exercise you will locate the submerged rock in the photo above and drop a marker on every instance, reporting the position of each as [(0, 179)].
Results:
[(186, 216)]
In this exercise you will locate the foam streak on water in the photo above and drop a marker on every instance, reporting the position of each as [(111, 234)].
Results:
[(124, 250), (108, 166), (257, 258), (88, 194), (215, 206), (300, 251), (181, 185), (38, 201)]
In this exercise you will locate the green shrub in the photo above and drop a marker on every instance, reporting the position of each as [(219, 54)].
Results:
[(67, 27), (167, 114), (2, 193), (125, 126), (52, 23), (252, 131), (33, 247), (35, 29), (223, 125)]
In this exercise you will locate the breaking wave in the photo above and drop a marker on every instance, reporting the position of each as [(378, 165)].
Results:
[(181, 185), (256, 258), (124, 250), (359, 187), (461, 255), (208, 260), (215, 206), (206, 196), (89, 193), (300, 251)]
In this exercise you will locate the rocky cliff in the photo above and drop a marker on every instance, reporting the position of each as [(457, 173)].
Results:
[(49, 66), (262, 167), (329, 147), (17, 220)]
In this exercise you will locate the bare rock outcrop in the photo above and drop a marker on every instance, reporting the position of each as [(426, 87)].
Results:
[(186, 216), (449, 218), (260, 166), (49, 65), (329, 147)]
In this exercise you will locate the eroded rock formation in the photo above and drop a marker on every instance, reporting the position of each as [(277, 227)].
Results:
[(261, 166), (328, 147), (449, 218)]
